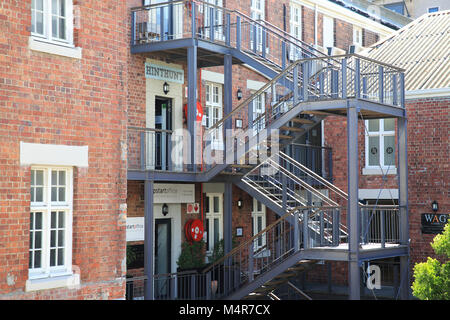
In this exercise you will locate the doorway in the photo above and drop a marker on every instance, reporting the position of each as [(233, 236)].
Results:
[(163, 253), (163, 122)]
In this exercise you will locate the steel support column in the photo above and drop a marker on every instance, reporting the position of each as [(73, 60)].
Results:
[(227, 217), (148, 239), (403, 204), (352, 210), (228, 90), (192, 100)]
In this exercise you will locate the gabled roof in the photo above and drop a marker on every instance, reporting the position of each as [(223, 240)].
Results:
[(422, 48)]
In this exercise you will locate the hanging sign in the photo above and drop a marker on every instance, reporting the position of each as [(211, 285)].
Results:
[(135, 229), (433, 223), (160, 72), (173, 193)]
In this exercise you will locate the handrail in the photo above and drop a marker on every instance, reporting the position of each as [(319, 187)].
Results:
[(249, 241)]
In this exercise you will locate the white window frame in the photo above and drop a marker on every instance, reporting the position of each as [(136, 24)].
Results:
[(47, 25), (256, 213), (380, 168), (295, 24), (211, 215), (357, 36), (258, 13), (212, 106), (327, 34), (47, 207)]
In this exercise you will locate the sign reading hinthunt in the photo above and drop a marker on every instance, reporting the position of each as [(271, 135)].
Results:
[(160, 72), (433, 223)]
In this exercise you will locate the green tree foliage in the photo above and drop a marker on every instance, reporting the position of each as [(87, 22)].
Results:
[(192, 255), (431, 278)]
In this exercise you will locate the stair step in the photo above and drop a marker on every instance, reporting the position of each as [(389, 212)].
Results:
[(283, 136), (292, 129), (264, 289), (284, 275), (275, 282), (303, 121), (243, 166)]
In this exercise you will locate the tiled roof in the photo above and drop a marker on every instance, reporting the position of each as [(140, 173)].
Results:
[(422, 48)]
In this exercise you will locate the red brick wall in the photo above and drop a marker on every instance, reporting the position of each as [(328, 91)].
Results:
[(52, 99), (343, 34)]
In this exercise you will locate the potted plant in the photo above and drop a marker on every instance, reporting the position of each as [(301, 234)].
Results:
[(191, 261)]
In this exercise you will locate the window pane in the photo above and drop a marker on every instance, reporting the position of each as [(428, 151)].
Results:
[(207, 204), (374, 152), (39, 23), (53, 224), (54, 26), (62, 28), (32, 195), (60, 238), (52, 257), (62, 194), (389, 124), (37, 240), (216, 204), (60, 257), (31, 221), (61, 219), (54, 178), (216, 230), (207, 233), (374, 125), (40, 177), (62, 178), (37, 259), (54, 194), (62, 11), (38, 220), (389, 150), (55, 7), (53, 238), (39, 194)]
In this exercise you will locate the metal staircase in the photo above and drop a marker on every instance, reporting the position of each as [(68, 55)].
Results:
[(305, 87)]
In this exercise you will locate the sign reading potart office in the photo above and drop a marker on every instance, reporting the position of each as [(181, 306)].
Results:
[(173, 193), (160, 72), (433, 223)]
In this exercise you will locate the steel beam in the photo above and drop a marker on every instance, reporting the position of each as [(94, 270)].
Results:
[(352, 210), (192, 99)]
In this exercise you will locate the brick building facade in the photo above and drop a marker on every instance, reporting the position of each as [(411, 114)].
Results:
[(63, 110)]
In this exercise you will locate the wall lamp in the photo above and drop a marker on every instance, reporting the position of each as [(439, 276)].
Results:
[(166, 88), (240, 203), (239, 94), (165, 209), (434, 206)]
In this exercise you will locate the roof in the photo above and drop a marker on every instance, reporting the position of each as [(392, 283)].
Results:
[(422, 48)]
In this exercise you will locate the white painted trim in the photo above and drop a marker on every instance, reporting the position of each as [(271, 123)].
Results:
[(427, 93), (378, 193), (70, 280), (213, 76), (336, 11), (50, 154), (53, 48), (379, 171), (255, 85)]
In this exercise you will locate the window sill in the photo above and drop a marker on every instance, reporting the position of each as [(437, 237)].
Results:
[(70, 281), (379, 171), (54, 48)]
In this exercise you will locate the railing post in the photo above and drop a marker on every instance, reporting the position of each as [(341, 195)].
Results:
[(322, 236), (295, 84), (296, 232), (364, 87), (263, 42), (238, 33), (208, 285), (283, 55), (143, 150), (344, 79), (334, 83), (133, 27), (250, 262), (394, 90), (321, 84), (211, 23), (161, 23), (193, 286), (335, 227), (194, 19), (227, 29), (255, 37), (382, 228), (357, 78), (305, 229), (381, 84), (305, 81)]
